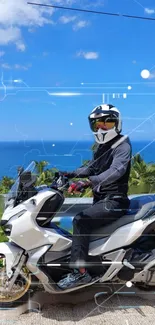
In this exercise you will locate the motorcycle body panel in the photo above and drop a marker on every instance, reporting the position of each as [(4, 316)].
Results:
[(47, 247)]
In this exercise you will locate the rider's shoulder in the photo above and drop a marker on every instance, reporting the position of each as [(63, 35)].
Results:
[(123, 141)]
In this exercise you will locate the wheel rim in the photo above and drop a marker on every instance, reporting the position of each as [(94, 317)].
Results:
[(20, 287)]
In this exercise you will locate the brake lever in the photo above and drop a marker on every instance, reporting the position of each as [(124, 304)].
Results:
[(59, 183)]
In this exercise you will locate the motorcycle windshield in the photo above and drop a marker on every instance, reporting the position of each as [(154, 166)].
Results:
[(12, 194)]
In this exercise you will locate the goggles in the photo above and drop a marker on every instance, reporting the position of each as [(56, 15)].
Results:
[(104, 123)]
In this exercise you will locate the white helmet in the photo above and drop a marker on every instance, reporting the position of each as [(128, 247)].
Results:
[(105, 122)]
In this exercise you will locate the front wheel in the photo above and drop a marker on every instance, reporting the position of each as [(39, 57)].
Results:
[(19, 293)]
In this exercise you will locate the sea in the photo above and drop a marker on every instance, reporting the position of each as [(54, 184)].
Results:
[(63, 155)]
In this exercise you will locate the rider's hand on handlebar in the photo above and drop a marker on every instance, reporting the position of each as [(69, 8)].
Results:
[(78, 187), (74, 187)]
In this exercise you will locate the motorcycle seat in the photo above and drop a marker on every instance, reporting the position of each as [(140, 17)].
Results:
[(140, 207)]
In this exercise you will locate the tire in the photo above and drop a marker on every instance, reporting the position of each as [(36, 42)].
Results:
[(14, 304), (21, 291)]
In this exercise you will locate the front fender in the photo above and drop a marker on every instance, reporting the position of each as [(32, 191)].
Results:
[(12, 254)]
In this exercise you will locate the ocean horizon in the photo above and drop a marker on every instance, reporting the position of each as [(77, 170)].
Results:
[(63, 155)]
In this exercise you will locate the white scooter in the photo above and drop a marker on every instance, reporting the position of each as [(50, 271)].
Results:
[(37, 248)]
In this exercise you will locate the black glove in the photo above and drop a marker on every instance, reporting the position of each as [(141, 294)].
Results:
[(79, 186), (82, 185)]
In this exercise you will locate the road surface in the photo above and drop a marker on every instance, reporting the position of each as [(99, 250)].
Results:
[(88, 308)]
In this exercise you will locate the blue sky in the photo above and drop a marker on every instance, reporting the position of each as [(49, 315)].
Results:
[(46, 52)]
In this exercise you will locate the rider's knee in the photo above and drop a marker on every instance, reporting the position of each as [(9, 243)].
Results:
[(77, 219)]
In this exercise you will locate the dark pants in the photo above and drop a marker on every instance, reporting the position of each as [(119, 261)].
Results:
[(102, 212)]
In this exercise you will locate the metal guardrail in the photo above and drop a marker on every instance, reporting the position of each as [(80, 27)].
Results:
[(71, 207)]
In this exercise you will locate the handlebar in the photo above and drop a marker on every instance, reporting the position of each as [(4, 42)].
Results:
[(60, 181)]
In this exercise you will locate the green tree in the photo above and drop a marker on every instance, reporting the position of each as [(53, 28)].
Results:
[(45, 176), (142, 176), (40, 165), (5, 184), (94, 147)]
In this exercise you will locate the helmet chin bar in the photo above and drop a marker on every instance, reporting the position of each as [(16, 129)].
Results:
[(102, 137)]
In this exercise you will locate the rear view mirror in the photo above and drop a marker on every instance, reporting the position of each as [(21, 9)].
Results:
[(25, 177)]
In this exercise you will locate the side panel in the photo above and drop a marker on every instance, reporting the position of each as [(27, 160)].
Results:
[(32, 236), (32, 265), (32, 262), (26, 232), (122, 237)]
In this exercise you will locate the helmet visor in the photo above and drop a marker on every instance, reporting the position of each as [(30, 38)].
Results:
[(105, 123)]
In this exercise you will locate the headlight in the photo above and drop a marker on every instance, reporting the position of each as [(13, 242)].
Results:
[(7, 229)]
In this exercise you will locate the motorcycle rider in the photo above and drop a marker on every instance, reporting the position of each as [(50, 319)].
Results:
[(108, 174)]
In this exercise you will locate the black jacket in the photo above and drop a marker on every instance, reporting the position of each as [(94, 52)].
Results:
[(109, 170)]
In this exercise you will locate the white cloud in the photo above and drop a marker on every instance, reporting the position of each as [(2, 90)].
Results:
[(9, 35), (149, 11), (94, 4), (66, 19), (12, 35), (15, 14), (21, 46), (81, 24), (20, 67), (31, 30), (45, 53), (6, 66), (65, 2), (2, 53), (19, 13), (16, 66), (88, 55), (70, 19)]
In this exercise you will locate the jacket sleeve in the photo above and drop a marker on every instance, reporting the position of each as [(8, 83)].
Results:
[(121, 158), (85, 171)]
